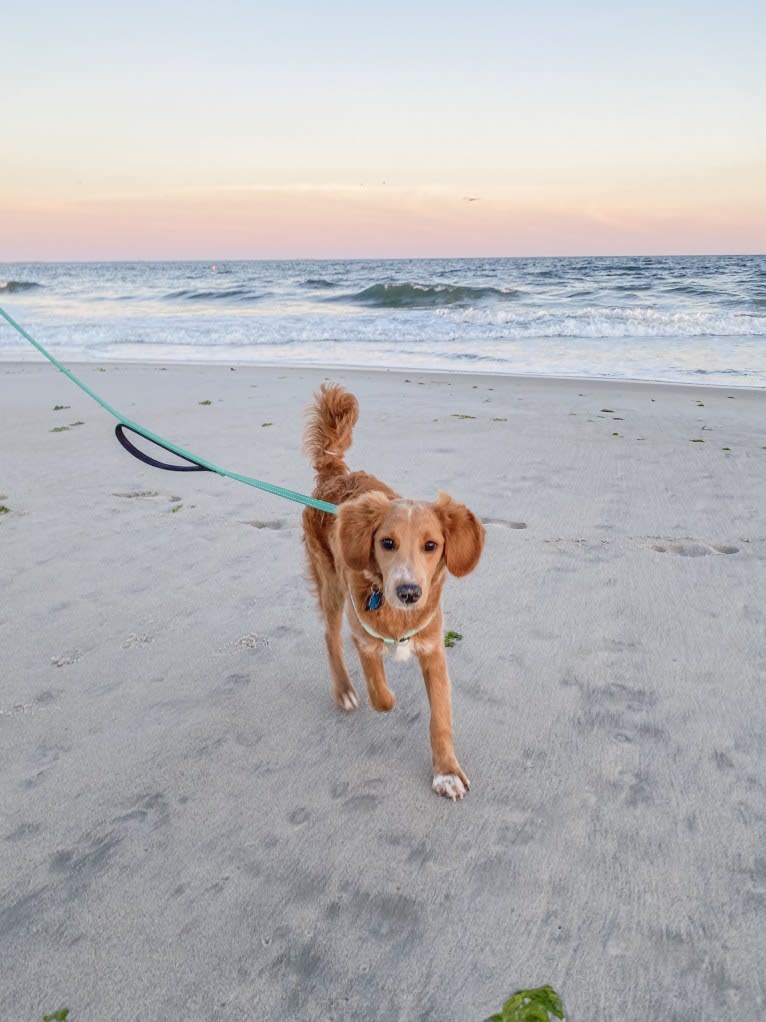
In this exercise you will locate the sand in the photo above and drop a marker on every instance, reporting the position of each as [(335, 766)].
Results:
[(191, 828)]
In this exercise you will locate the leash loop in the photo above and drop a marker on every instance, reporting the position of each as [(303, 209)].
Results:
[(131, 448)]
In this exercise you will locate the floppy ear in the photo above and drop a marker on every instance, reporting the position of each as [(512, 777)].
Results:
[(358, 520), (463, 535)]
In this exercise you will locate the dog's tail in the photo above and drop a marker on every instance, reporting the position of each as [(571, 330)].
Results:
[(330, 424)]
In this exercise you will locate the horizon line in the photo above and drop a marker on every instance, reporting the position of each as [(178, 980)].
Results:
[(214, 260)]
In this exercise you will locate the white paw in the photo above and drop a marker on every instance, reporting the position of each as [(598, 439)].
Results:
[(449, 785), (348, 701)]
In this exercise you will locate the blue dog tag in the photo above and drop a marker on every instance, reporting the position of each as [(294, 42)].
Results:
[(374, 600)]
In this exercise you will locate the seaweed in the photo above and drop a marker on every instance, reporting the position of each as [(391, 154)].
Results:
[(531, 1006)]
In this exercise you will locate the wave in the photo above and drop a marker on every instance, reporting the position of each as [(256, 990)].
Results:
[(697, 291), (631, 288), (17, 285), (319, 283), (426, 296), (595, 322), (241, 294)]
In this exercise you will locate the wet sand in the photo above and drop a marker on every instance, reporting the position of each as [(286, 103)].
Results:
[(190, 827)]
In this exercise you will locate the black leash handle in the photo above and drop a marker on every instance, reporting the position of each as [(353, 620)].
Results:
[(131, 448)]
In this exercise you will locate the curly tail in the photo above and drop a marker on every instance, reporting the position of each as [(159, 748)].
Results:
[(330, 423)]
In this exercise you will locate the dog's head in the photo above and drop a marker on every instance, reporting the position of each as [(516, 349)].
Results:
[(407, 542)]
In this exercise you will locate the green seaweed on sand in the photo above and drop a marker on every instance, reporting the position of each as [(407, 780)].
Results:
[(58, 1016), (610, 410), (60, 408), (59, 429), (531, 1006), (460, 415), (696, 441), (265, 424), (451, 638), (206, 402), (4, 510), (177, 507)]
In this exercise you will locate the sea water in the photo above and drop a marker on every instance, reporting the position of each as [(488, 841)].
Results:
[(690, 319)]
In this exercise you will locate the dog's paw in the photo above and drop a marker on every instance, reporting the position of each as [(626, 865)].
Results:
[(347, 700), (450, 786), (382, 701)]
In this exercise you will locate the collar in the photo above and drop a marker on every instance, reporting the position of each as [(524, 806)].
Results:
[(401, 641)]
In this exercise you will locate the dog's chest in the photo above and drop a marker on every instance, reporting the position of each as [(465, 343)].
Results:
[(401, 651)]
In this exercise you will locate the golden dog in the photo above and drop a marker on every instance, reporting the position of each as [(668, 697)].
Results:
[(384, 560)]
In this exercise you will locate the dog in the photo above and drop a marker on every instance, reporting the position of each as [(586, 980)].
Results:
[(383, 560)]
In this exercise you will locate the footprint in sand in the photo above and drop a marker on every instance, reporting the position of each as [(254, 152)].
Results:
[(252, 641), (137, 640), (504, 522), (140, 494), (692, 548), (66, 659), (262, 524)]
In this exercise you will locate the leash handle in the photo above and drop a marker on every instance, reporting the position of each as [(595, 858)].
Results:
[(131, 448)]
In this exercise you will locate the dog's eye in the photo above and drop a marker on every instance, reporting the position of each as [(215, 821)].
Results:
[(430, 545), (388, 543)]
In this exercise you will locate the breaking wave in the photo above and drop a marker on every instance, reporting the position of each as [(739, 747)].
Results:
[(427, 296), (597, 322), (17, 285)]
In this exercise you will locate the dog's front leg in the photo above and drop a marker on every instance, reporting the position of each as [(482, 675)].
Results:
[(381, 696), (449, 779), (343, 691)]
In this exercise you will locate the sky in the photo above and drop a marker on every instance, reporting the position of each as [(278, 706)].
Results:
[(254, 129)]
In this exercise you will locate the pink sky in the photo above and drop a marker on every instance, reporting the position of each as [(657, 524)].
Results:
[(340, 222), (162, 130)]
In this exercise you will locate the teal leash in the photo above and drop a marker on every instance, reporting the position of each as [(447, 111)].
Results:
[(197, 464)]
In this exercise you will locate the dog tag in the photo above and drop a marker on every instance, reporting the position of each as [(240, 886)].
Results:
[(374, 600)]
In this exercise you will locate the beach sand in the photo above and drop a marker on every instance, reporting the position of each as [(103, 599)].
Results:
[(191, 828)]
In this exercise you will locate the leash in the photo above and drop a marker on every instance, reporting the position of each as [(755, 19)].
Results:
[(196, 464)]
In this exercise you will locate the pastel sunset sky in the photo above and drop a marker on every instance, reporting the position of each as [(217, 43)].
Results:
[(341, 130)]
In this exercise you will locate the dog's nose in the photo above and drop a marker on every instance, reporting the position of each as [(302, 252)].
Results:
[(409, 593)]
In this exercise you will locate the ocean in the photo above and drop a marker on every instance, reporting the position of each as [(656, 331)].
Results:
[(684, 319)]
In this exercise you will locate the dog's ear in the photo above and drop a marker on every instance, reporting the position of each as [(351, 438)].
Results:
[(358, 520), (463, 535)]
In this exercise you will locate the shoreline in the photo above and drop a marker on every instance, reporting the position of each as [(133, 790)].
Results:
[(233, 364)]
